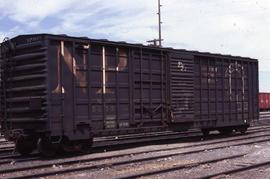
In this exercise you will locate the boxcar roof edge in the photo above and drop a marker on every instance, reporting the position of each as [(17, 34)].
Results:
[(126, 44)]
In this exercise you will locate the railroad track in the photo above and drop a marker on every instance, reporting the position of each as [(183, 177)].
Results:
[(129, 139), (6, 142), (265, 115), (6, 147), (237, 169), (101, 144), (2, 139), (244, 167), (93, 162), (146, 137), (264, 119), (124, 140), (8, 159), (179, 167), (119, 143)]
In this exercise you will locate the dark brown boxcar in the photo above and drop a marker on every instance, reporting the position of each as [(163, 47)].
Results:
[(57, 89)]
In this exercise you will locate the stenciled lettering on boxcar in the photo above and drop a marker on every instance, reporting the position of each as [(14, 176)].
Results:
[(211, 74), (33, 39), (109, 68), (181, 66), (110, 94), (60, 53), (122, 65), (235, 71), (78, 66)]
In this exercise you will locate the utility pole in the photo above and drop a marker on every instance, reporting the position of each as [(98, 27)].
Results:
[(159, 23), (158, 42)]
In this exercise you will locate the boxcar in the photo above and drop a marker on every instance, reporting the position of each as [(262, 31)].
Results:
[(264, 103), (58, 90)]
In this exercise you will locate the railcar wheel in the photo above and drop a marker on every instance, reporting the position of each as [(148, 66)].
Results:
[(46, 148), (66, 145), (225, 131), (77, 146), (242, 130), (86, 145), (205, 132), (24, 145)]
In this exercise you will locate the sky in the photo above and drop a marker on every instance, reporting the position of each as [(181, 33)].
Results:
[(236, 27)]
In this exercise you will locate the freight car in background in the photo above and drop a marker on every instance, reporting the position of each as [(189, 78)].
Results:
[(62, 91), (264, 103)]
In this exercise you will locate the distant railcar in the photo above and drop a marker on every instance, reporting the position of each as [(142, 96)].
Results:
[(264, 103), (58, 90)]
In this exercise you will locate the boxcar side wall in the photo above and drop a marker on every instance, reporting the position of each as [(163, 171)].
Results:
[(106, 89), (226, 91)]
